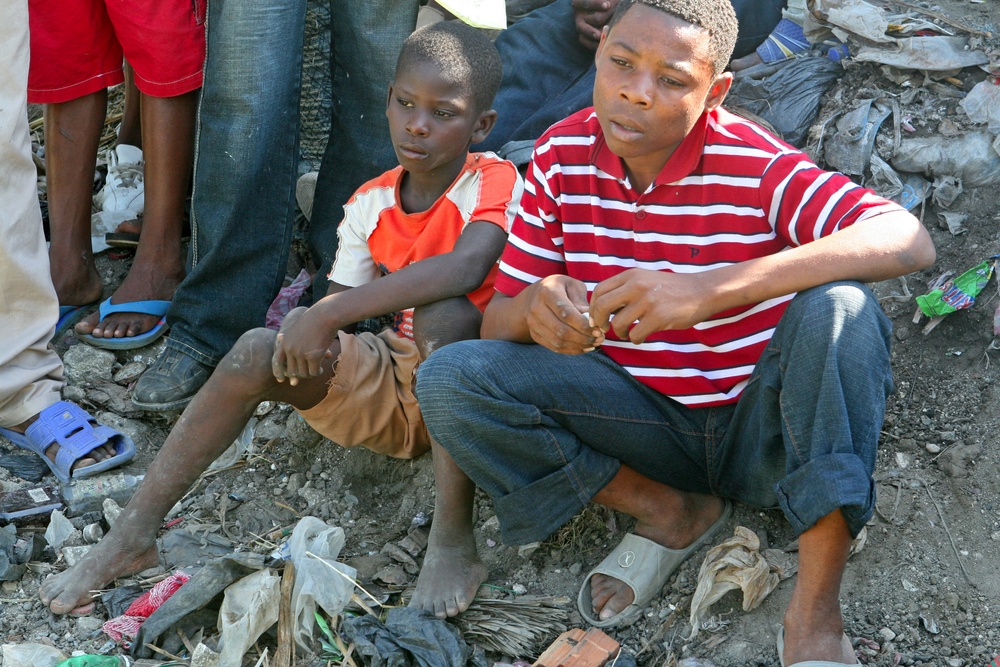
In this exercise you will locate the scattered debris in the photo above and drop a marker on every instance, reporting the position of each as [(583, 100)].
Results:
[(739, 563)]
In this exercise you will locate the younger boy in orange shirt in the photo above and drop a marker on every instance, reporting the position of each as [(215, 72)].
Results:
[(422, 239)]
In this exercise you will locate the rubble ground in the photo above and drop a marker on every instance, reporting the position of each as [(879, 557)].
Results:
[(922, 591)]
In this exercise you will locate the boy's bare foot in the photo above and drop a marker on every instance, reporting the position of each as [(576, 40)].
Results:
[(449, 578), (612, 596), (72, 591)]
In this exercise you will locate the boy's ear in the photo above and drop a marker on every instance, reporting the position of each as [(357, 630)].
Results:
[(718, 90), (484, 126), (388, 97)]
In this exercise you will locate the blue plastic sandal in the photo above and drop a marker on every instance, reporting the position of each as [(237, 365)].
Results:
[(77, 434), (152, 307)]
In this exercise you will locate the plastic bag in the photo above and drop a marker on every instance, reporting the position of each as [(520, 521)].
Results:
[(249, 608), (30, 655), (789, 98), (925, 54), (410, 636), (983, 105), (319, 579), (969, 157)]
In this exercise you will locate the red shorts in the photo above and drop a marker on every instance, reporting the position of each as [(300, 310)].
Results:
[(77, 46)]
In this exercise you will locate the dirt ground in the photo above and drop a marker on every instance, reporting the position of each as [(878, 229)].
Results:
[(922, 591)]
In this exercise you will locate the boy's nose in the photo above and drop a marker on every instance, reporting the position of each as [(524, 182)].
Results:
[(417, 125), (638, 89)]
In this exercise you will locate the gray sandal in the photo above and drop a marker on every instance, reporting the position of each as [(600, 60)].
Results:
[(644, 566)]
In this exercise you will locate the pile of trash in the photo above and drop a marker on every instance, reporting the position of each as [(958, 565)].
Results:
[(935, 80)]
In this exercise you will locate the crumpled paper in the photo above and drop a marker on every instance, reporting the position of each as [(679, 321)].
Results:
[(739, 563)]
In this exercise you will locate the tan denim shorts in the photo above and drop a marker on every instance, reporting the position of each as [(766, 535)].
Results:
[(371, 400)]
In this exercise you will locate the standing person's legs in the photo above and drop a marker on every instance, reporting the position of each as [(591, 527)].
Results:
[(75, 56), (809, 421), (243, 201), (165, 46), (168, 126), (72, 132), (30, 372), (366, 38)]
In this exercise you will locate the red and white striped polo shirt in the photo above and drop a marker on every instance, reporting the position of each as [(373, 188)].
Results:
[(730, 192)]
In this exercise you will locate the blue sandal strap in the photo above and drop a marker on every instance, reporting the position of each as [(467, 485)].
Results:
[(151, 307)]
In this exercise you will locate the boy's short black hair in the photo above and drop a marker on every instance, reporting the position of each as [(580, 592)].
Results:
[(464, 56), (716, 16)]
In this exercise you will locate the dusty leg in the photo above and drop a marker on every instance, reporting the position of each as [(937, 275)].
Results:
[(451, 572), (72, 132), (665, 515), (211, 422), (168, 141), (814, 627)]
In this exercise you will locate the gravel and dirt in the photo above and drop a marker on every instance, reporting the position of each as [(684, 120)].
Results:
[(924, 589)]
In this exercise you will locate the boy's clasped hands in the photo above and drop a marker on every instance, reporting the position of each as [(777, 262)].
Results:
[(302, 347), (632, 304)]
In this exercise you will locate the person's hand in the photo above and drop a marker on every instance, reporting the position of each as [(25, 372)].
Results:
[(643, 302), (557, 316), (590, 17), (302, 347)]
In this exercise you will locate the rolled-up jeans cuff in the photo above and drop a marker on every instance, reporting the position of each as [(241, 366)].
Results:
[(184, 348), (824, 484), (537, 510)]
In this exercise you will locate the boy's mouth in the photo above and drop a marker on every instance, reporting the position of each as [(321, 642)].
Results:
[(412, 151), (624, 130)]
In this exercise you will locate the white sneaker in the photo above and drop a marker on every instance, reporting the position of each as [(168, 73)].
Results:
[(123, 188)]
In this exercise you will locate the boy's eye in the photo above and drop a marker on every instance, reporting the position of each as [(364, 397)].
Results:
[(403, 102), (672, 82), (443, 113), (621, 62)]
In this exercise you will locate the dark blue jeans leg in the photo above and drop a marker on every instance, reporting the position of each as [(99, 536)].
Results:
[(243, 203), (805, 432), (547, 75), (366, 38), (542, 433)]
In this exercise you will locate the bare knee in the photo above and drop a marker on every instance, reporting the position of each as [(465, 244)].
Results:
[(248, 363), (442, 322)]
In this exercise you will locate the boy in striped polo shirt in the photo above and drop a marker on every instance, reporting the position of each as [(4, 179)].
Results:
[(693, 287)]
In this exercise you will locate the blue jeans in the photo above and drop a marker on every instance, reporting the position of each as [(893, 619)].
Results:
[(548, 75), (243, 203), (542, 433), (366, 37)]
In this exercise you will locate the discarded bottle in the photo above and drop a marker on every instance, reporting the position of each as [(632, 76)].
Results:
[(20, 504), (88, 494)]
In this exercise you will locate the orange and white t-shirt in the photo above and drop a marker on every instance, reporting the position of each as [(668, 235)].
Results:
[(378, 237)]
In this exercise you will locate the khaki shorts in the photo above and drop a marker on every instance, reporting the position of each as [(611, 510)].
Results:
[(371, 400)]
